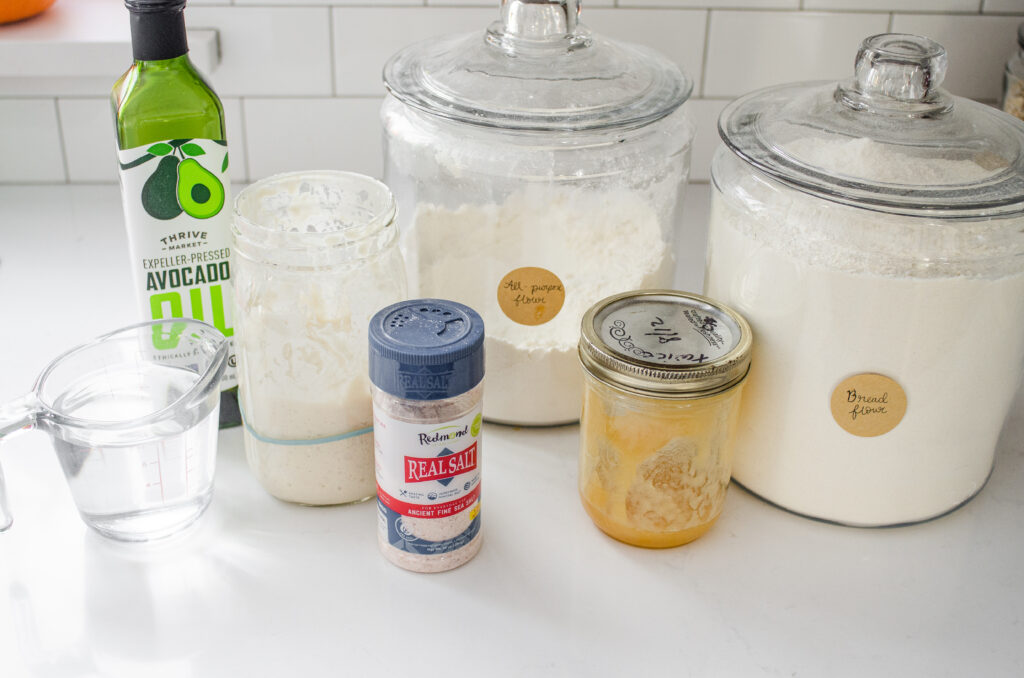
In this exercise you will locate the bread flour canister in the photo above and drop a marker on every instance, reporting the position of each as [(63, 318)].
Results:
[(540, 169), (872, 232)]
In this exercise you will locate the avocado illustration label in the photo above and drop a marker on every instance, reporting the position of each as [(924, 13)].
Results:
[(177, 208)]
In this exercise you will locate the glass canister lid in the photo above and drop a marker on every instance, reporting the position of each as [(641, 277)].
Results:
[(665, 343), (889, 139), (537, 68)]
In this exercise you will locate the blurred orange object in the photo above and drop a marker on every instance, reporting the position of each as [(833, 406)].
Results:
[(15, 10)]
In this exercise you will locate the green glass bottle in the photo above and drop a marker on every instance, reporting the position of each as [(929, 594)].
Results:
[(173, 156)]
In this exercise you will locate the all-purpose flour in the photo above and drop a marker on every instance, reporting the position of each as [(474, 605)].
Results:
[(834, 291), (597, 242)]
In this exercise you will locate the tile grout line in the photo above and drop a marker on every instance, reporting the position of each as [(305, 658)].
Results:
[(245, 139), (60, 140), (330, 43), (892, 20), (704, 56)]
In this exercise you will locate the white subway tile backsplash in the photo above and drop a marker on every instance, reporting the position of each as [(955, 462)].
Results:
[(237, 145), (750, 50), (496, 3), (90, 141), (30, 148), (365, 38), (306, 3), (269, 51), (978, 47), (715, 4), (301, 79), (896, 5), (678, 34), (341, 134), (704, 113), (87, 126), (1008, 6)]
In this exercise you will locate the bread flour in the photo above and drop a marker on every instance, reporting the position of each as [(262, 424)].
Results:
[(833, 291)]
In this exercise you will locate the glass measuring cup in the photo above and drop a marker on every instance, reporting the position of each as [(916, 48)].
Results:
[(133, 419)]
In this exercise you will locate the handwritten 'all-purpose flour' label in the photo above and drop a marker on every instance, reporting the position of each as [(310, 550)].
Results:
[(530, 295), (868, 404)]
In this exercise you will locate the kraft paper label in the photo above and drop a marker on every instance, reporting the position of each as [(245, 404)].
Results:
[(868, 404), (531, 296)]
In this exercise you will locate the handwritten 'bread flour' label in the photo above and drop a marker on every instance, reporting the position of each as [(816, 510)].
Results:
[(530, 295), (868, 404)]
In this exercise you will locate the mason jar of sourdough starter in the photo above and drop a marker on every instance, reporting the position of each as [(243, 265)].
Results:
[(315, 256)]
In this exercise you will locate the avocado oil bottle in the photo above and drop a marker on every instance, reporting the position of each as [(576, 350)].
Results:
[(173, 158)]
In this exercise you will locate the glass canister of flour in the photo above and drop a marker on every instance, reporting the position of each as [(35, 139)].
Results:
[(872, 232), (663, 373), (540, 168), (315, 256)]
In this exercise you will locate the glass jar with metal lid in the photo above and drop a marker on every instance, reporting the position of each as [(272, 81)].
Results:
[(663, 373), (540, 168), (872, 232)]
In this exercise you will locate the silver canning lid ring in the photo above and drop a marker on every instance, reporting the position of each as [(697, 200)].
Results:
[(653, 373)]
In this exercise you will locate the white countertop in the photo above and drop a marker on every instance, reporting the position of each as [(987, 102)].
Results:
[(263, 588)]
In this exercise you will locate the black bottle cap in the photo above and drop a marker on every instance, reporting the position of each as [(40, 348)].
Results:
[(158, 29), (155, 5)]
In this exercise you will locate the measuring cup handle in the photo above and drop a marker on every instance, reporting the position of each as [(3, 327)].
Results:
[(14, 416), (18, 414)]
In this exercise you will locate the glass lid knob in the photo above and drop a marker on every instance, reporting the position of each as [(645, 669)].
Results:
[(898, 74), (526, 23), (540, 19)]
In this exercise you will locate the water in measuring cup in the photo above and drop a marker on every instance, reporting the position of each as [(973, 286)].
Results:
[(145, 483)]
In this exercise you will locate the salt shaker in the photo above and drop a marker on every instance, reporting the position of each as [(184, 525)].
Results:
[(426, 369)]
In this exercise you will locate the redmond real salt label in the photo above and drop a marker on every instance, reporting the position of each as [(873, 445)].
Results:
[(428, 482), (176, 203)]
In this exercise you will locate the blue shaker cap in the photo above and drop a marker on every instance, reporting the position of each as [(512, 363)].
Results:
[(426, 349)]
